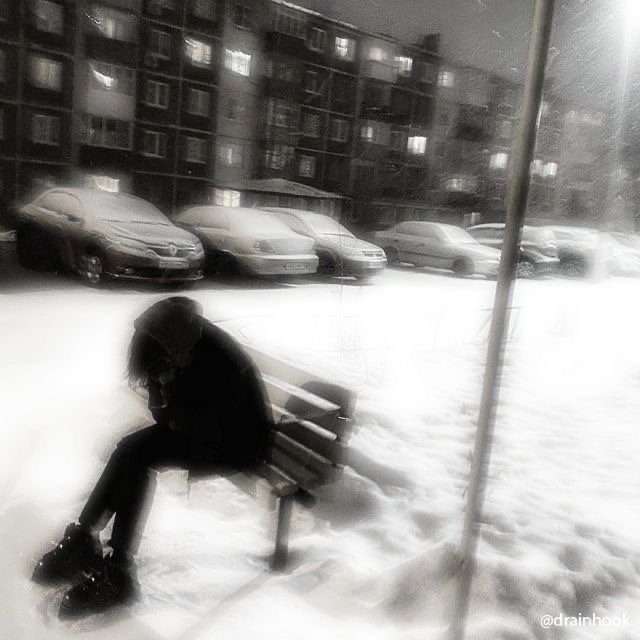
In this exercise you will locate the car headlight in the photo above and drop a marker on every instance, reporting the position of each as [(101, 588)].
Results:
[(263, 246)]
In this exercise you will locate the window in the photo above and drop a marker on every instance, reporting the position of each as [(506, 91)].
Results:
[(241, 16), (3, 65), (278, 157), (290, 22), (235, 109), (154, 143), (403, 65), (503, 129), (376, 54), (106, 132), (160, 44), (237, 61), (104, 76), (195, 149), (345, 48), (282, 114), (281, 71), (426, 71), (156, 94), (112, 23), (550, 170), (311, 124), (158, 7), (45, 129), (230, 154), (398, 141), (498, 161), (417, 145), (48, 16), (307, 166), (45, 73), (198, 101), (226, 198), (339, 130), (537, 166), (205, 9), (446, 79), (316, 38), (198, 53), (312, 82), (1, 124)]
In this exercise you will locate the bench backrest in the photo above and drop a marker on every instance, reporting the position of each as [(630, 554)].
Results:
[(312, 424)]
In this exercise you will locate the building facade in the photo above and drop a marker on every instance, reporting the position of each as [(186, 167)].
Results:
[(184, 102)]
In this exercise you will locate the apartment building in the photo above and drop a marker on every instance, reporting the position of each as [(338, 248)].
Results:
[(264, 102)]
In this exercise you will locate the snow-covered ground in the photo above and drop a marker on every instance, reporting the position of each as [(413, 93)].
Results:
[(373, 560)]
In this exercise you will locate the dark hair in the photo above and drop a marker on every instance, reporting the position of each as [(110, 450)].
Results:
[(144, 352)]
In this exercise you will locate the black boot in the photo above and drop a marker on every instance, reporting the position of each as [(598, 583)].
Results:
[(77, 551), (115, 584)]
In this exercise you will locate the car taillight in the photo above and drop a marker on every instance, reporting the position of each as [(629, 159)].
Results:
[(263, 246)]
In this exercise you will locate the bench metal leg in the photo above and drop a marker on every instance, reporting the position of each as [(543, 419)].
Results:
[(279, 559)]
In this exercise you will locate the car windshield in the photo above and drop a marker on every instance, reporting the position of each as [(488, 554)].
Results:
[(254, 221), (326, 226), (123, 209), (574, 234), (626, 240), (456, 234)]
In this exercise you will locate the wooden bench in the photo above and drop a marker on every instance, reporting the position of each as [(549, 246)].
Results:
[(312, 420)]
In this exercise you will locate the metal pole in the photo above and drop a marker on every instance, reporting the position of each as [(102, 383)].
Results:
[(516, 205)]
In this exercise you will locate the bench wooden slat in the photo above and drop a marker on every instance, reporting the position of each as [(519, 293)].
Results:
[(309, 435), (309, 459), (290, 467)]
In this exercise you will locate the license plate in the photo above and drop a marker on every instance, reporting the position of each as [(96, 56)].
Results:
[(173, 263), (294, 266)]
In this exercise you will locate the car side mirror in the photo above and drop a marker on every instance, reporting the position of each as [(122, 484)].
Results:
[(73, 218)]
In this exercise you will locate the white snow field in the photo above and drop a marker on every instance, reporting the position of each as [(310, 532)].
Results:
[(561, 526)]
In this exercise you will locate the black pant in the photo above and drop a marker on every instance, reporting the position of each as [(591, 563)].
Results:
[(128, 482)]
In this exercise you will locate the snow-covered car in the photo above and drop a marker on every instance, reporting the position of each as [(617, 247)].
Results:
[(443, 246), (624, 259), (105, 235), (578, 249), (249, 240), (538, 253), (339, 251)]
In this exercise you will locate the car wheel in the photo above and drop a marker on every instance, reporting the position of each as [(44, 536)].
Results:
[(462, 267), (525, 269), (574, 267), (33, 249), (393, 257), (91, 267), (364, 278), (326, 264)]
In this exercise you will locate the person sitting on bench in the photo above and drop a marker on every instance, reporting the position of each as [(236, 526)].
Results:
[(210, 412)]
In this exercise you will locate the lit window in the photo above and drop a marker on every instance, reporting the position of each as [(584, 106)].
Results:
[(226, 198), (48, 16), (316, 39), (198, 102), (156, 94), (112, 23), (498, 161), (195, 149), (403, 65), (45, 73), (307, 166), (154, 143), (339, 130), (345, 48), (311, 124), (106, 132), (198, 52), (241, 16), (203, 9), (45, 129), (105, 76), (376, 54), (446, 79), (237, 61), (366, 132), (417, 145), (230, 154), (160, 44), (550, 170), (537, 166)]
